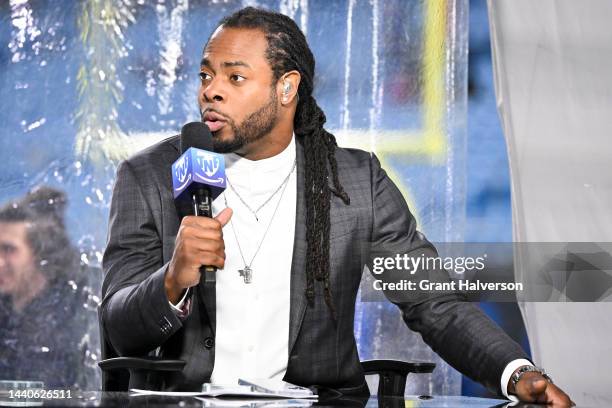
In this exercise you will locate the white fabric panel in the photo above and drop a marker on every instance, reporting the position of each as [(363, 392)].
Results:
[(552, 67)]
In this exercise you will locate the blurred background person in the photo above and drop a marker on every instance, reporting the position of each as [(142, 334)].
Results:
[(42, 336)]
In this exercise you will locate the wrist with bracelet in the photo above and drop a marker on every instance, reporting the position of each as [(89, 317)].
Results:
[(518, 374)]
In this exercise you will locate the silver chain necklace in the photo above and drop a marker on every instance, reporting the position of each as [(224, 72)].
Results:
[(247, 271), (269, 198)]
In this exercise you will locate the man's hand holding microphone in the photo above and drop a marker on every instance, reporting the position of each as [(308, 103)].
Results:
[(198, 177), (199, 242)]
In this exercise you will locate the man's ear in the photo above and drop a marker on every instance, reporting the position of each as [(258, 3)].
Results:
[(287, 87)]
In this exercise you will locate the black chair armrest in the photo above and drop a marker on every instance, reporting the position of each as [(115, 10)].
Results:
[(144, 372), (141, 363), (392, 374)]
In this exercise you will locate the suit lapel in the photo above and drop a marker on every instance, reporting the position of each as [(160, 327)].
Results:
[(298, 265)]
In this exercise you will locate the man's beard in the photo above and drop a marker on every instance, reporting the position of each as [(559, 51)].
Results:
[(253, 127)]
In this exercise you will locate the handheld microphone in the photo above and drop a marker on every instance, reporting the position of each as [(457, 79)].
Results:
[(198, 177)]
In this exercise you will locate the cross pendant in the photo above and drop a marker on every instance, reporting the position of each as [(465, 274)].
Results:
[(247, 274)]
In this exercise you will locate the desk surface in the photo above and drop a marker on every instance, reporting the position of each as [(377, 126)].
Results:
[(119, 399)]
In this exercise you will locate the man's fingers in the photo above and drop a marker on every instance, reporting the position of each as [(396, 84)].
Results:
[(224, 216), (534, 388), (205, 245), (212, 259), (203, 223), (200, 233), (558, 397)]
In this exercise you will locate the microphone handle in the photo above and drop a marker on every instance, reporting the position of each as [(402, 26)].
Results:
[(202, 207)]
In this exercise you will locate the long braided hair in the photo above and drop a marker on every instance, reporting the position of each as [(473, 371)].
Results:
[(288, 50)]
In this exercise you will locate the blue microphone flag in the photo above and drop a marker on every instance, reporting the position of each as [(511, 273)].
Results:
[(197, 168)]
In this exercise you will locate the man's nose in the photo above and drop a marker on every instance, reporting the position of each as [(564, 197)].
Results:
[(214, 92)]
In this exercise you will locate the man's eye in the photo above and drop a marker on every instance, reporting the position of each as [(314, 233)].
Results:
[(204, 76), (237, 78), (7, 249)]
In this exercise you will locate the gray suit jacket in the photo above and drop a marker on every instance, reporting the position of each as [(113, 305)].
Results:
[(137, 317)]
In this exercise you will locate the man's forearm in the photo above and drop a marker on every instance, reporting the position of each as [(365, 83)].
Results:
[(138, 318), (465, 337)]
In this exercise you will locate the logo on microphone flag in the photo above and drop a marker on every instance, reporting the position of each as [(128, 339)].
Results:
[(199, 167), (208, 165)]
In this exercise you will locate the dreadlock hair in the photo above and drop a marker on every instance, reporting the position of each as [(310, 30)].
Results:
[(288, 50)]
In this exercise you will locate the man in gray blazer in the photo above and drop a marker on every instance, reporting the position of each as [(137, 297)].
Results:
[(256, 96)]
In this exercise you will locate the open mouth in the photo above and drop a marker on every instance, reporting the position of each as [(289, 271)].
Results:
[(214, 125), (214, 121)]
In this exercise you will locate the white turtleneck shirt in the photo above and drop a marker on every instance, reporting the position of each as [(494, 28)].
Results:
[(252, 332)]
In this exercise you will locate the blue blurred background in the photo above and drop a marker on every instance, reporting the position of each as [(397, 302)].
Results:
[(144, 87)]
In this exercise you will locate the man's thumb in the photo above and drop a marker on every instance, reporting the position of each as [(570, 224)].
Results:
[(537, 386), (224, 216)]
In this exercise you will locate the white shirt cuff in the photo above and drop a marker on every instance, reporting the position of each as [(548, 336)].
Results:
[(178, 308), (508, 371)]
